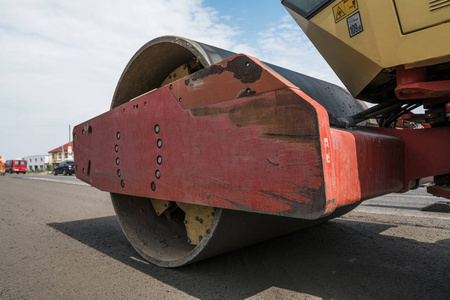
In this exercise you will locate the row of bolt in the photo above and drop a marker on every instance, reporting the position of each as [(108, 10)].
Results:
[(116, 148), (158, 160)]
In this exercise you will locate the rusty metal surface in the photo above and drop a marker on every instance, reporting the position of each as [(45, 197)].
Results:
[(241, 76), (155, 60), (213, 156), (207, 138), (213, 147), (425, 152), (333, 98)]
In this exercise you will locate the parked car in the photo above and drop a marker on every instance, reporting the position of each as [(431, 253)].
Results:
[(16, 165), (66, 167)]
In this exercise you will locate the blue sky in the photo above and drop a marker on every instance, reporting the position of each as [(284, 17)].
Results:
[(251, 16), (60, 60)]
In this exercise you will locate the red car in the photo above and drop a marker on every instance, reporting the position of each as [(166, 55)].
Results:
[(16, 165)]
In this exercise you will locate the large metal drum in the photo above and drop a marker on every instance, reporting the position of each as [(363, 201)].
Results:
[(164, 236)]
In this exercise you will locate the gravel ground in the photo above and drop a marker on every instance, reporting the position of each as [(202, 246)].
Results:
[(61, 240)]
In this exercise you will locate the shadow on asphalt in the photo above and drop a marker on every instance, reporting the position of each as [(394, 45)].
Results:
[(340, 259)]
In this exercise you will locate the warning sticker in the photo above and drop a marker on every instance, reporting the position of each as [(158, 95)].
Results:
[(344, 9), (354, 25)]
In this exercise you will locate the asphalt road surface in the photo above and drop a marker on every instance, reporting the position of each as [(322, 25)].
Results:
[(60, 240)]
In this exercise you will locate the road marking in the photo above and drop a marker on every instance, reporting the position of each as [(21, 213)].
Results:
[(400, 213), (429, 196), (56, 180)]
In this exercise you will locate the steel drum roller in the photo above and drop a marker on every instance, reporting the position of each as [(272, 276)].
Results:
[(162, 231)]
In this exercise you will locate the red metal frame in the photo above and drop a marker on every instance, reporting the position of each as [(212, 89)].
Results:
[(413, 84), (439, 191), (425, 152), (236, 135), (442, 187)]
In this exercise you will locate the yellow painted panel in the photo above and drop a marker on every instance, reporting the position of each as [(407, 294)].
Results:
[(420, 14), (381, 45)]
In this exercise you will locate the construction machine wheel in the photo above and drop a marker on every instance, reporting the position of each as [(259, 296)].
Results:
[(172, 234)]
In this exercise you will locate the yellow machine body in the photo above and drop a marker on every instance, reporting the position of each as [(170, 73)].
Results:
[(413, 33)]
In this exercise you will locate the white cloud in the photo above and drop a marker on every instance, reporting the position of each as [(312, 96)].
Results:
[(61, 60), (284, 44)]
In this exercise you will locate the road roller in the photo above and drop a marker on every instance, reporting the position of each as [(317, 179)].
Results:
[(205, 151)]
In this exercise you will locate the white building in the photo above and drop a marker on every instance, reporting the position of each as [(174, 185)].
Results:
[(36, 162)]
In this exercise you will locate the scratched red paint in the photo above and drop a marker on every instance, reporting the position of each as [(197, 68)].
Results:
[(271, 151), (205, 159)]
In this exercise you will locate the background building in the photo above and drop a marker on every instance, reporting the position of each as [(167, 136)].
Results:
[(61, 153), (37, 162)]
